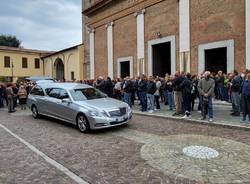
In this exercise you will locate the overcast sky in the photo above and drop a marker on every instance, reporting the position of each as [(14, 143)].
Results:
[(42, 24)]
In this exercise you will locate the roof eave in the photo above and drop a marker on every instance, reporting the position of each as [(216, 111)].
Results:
[(63, 50)]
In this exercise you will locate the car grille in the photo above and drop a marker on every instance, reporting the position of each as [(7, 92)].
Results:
[(116, 113), (123, 111)]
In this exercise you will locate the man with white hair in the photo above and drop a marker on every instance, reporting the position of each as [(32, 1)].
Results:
[(100, 84), (206, 90)]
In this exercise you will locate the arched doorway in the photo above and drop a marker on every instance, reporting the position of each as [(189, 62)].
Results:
[(59, 68)]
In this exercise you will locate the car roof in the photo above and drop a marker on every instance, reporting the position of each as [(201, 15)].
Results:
[(64, 85), (45, 81), (37, 78)]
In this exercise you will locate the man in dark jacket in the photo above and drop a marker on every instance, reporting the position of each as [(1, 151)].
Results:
[(134, 90), (151, 88), (170, 92), (15, 91), (1, 95), (178, 93), (10, 95), (235, 90), (220, 85), (245, 95), (186, 87), (142, 91), (127, 91), (108, 87)]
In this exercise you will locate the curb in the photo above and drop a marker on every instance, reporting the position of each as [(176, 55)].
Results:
[(193, 121)]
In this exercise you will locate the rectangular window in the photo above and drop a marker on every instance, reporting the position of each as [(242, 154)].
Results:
[(24, 62), (37, 63), (72, 76), (6, 61)]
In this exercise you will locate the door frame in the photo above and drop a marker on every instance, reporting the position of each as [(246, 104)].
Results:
[(124, 59), (170, 39), (229, 44)]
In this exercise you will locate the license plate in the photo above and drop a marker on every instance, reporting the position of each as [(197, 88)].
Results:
[(121, 118)]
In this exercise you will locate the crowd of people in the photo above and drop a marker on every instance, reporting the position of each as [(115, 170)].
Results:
[(11, 94), (178, 92)]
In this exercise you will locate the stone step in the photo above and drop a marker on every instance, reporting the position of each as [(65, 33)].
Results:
[(215, 102)]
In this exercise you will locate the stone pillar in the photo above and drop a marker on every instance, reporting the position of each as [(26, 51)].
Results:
[(92, 53), (140, 42), (53, 70), (184, 37), (247, 34), (110, 49)]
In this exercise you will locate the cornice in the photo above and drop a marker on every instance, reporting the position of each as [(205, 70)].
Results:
[(96, 6)]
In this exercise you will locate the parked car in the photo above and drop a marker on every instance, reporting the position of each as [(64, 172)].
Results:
[(40, 79), (79, 104), (44, 81)]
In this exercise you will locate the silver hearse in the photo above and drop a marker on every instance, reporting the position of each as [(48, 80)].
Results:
[(79, 104)]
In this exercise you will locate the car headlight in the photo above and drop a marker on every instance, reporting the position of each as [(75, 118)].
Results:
[(94, 113), (106, 114), (129, 109)]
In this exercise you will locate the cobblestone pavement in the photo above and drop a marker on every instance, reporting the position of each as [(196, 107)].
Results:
[(148, 150)]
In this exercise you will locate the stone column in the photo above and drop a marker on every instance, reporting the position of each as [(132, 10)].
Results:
[(92, 53), (247, 34), (140, 42), (110, 49), (184, 37)]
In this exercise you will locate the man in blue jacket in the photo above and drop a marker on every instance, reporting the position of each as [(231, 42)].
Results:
[(245, 98)]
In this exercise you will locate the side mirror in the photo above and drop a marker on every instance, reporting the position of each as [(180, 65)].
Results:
[(66, 101)]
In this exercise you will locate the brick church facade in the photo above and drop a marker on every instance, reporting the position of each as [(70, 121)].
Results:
[(154, 37)]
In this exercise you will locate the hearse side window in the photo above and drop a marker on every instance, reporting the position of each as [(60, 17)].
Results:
[(37, 90), (63, 94), (54, 93), (47, 90)]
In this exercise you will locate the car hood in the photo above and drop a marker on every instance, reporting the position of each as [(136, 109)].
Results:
[(102, 103)]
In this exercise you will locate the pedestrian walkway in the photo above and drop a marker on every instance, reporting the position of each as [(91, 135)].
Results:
[(221, 110)]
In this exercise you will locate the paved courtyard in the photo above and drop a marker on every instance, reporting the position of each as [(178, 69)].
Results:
[(148, 150)]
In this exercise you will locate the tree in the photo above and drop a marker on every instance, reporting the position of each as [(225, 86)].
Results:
[(9, 40)]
